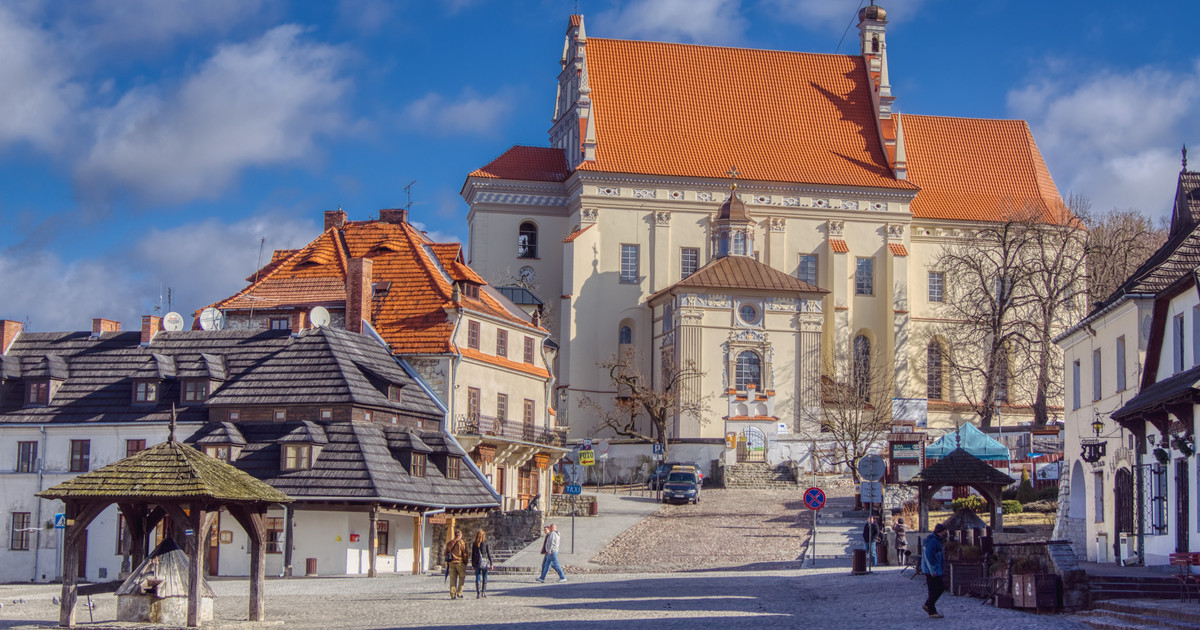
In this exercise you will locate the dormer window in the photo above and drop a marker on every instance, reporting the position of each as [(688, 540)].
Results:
[(145, 392), (297, 457), (195, 390), (453, 467), (222, 452), (470, 290), (37, 393), (417, 467), (393, 393)]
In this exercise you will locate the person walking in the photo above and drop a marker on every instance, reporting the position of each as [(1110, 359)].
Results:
[(870, 535), (932, 557), (481, 559), (901, 541), (456, 562), (550, 551)]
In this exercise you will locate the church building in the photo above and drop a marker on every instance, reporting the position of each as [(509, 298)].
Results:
[(765, 215)]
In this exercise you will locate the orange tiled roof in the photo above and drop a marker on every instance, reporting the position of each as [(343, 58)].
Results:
[(539, 164), (476, 355), (898, 249), (976, 169), (411, 315), (839, 246), (574, 235), (692, 111)]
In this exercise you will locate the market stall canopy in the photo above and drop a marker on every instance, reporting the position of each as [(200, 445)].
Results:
[(969, 439)]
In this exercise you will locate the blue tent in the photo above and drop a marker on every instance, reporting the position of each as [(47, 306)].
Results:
[(972, 440)]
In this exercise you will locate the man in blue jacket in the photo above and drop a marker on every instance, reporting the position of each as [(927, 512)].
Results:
[(932, 557)]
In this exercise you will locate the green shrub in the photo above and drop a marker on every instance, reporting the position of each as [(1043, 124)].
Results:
[(1049, 493), (1012, 506), (1009, 494), (1025, 491), (1045, 507), (973, 502)]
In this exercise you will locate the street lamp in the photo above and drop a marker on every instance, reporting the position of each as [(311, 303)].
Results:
[(1094, 448)]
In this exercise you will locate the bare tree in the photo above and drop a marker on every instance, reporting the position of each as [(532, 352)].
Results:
[(1119, 242), (855, 411), (659, 400)]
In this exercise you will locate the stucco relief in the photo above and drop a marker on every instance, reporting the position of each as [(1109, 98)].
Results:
[(706, 300), (835, 228), (895, 232), (778, 224), (704, 196), (644, 193), (608, 191), (662, 218), (849, 204), (588, 215), (790, 305)]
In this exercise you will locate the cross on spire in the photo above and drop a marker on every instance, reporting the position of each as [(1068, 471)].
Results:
[(733, 174)]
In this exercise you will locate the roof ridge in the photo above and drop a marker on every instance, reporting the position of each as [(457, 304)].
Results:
[(254, 283), (744, 48)]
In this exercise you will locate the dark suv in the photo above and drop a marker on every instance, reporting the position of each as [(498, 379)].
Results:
[(656, 478), (681, 485)]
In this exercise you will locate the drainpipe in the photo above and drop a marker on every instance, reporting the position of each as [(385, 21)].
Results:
[(1141, 506), (37, 543)]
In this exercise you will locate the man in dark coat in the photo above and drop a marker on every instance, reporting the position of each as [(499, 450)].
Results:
[(932, 559), (870, 535)]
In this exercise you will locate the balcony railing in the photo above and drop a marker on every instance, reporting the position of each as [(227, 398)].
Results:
[(512, 429)]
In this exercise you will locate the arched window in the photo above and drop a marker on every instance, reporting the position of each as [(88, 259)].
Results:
[(527, 240), (874, 43), (625, 336), (739, 243), (748, 371), (933, 372), (862, 367)]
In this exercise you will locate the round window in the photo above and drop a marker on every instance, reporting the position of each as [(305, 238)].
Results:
[(748, 313)]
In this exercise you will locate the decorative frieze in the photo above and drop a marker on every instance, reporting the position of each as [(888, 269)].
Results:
[(608, 191), (644, 193), (820, 203), (706, 300), (777, 224), (790, 305), (835, 228), (791, 202), (521, 199), (762, 200), (677, 195), (704, 196), (879, 206), (690, 316), (849, 204), (895, 232), (588, 215)]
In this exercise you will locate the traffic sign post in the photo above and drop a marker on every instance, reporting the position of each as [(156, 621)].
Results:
[(60, 520), (814, 499), (872, 468), (657, 448), (574, 490)]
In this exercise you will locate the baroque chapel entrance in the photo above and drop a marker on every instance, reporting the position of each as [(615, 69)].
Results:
[(752, 445)]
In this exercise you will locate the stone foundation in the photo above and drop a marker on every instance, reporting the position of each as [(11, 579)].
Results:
[(560, 505), (505, 530)]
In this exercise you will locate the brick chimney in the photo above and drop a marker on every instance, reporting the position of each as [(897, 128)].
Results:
[(394, 215), (151, 324), (298, 320), (9, 330), (101, 325), (335, 219), (358, 293)]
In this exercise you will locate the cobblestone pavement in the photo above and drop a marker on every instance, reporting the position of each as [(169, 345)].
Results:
[(727, 528), (830, 599)]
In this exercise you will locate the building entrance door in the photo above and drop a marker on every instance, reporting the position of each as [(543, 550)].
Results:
[(752, 445), (214, 547)]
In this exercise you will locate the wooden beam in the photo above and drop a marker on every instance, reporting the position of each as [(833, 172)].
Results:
[(373, 542), (254, 521), (78, 515), (416, 545), (135, 522), (201, 521)]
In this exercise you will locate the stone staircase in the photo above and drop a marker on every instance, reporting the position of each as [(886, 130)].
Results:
[(1137, 615), (1110, 587), (759, 476)]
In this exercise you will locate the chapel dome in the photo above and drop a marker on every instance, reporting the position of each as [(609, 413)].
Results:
[(733, 209), (872, 12)]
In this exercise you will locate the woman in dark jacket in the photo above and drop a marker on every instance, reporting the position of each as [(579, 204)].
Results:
[(481, 559)]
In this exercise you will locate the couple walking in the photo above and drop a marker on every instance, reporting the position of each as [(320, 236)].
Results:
[(456, 563), (550, 554)]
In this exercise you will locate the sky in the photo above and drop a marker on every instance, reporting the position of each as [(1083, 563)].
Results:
[(148, 145)]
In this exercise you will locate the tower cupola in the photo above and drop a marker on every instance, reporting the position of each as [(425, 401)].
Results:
[(733, 229)]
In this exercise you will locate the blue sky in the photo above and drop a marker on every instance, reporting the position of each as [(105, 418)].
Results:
[(153, 143)]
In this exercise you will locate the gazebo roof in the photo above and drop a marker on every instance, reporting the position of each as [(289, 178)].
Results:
[(960, 468), (172, 472)]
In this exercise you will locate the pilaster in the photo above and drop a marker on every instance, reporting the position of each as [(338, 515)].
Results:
[(661, 267)]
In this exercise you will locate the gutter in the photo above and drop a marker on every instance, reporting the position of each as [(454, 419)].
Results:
[(1083, 323)]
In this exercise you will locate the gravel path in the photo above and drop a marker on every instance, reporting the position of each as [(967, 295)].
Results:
[(830, 599), (727, 528)]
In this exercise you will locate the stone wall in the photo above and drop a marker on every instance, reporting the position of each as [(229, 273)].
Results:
[(505, 530), (560, 505)]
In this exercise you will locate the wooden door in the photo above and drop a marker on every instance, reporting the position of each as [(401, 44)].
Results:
[(214, 546), (1182, 500), (500, 486), (83, 554)]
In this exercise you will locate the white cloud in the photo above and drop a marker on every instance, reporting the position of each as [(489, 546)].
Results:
[(437, 236), (143, 25), (256, 104), (37, 94), (201, 262), (695, 21), (1114, 136), (467, 114)]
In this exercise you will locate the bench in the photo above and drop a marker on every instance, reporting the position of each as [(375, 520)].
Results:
[(1188, 581)]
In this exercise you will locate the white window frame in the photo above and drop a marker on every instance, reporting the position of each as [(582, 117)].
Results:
[(937, 286), (630, 263)]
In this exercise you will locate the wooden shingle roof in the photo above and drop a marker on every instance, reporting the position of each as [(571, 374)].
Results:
[(960, 468), (167, 471)]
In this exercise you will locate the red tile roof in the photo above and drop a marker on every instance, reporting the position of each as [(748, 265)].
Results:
[(976, 169), (574, 235), (476, 355), (838, 246), (538, 164), (898, 249), (410, 316)]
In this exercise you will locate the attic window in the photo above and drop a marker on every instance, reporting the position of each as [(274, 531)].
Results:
[(417, 468), (145, 392), (297, 457), (280, 415), (393, 393), (453, 467), (327, 414), (234, 415), (221, 452), (380, 289), (37, 393), (470, 290), (195, 390)]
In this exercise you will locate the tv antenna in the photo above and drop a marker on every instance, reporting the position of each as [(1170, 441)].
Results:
[(262, 240), (408, 191)]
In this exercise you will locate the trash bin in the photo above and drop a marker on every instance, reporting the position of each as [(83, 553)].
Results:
[(310, 567), (858, 565), (594, 508), (881, 553)]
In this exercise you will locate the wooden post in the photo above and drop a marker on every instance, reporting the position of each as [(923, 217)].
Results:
[(287, 541), (450, 528), (416, 546), (201, 522), (78, 517), (254, 521), (923, 495), (373, 541)]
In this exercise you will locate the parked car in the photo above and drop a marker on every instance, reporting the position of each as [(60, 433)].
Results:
[(660, 474), (681, 485)]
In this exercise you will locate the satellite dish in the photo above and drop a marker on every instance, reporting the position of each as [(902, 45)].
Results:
[(319, 316), (211, 319), (172, 322)]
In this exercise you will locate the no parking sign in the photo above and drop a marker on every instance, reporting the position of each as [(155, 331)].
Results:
[(814, 498)]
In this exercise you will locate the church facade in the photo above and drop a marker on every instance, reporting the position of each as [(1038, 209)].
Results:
[(817, 261)]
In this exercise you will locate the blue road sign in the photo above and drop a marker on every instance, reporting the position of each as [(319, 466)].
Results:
[(60, 521), (574, 489), (814, 498), (657, 448)]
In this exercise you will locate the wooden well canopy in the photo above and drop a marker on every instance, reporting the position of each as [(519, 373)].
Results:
[(960, 468), (172, 480)]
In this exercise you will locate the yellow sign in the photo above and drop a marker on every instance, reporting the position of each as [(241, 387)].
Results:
[(731, 439), (339, 538), (587, 458)]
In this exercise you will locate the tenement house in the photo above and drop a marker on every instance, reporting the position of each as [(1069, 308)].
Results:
[(822, 255)]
